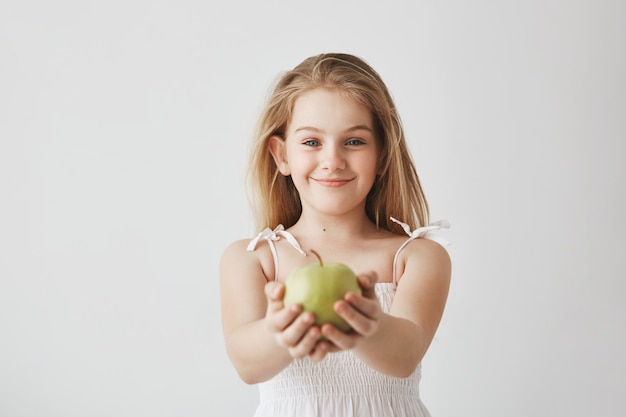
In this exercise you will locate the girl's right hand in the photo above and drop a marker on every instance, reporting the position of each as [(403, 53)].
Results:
[(292, 328)]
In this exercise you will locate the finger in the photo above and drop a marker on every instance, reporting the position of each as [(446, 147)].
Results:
[(293, 334), (274, 291), (368, 279), (367, 282), (320, 350), (306, 344), (360, 322), (331, 346), (338, 339), (368, 307), (280, 318)]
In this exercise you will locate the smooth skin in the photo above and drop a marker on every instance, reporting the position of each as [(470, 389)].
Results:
[(330, 151)]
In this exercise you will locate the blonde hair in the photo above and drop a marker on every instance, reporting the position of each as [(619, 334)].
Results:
[(396, 192)]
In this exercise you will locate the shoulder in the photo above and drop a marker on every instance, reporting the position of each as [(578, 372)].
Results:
[(428, 251), (426, 258), (236, 249), (236, 253), (237, 257)]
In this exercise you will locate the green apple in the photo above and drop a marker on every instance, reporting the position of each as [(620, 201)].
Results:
[(316, 287)]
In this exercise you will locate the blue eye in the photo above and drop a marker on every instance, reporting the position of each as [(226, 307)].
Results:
[(353, 142), (311, 142)]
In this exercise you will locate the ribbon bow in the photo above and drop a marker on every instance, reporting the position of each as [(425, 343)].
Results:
[(273, 236), (424, 231)]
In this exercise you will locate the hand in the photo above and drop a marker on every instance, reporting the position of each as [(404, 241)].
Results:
[(362, 312), (292, 328)]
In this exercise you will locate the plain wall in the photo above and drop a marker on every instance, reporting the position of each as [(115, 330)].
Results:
[(124, 127)]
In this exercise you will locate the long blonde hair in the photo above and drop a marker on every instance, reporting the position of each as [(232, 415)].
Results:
[(396, 192)]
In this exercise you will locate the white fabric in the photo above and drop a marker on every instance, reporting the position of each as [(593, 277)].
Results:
[(272, 236), (341, 385)]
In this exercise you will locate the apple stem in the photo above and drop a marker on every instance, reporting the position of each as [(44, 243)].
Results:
[(318, 257)]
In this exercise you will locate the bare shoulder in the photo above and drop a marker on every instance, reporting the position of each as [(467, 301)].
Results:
[(425, 260), (236, 250), (428, 254), (235, 253), (423, 284), (237, 258), (242, 279)]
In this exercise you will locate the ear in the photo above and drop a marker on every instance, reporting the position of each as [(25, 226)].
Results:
[(278, 151)]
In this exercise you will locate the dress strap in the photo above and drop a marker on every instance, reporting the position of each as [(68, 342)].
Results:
[(273, 236), (420, 232)]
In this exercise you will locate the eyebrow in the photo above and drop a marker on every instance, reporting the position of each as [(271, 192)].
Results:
[(348, 130)]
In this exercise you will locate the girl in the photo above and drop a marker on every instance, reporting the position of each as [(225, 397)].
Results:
[(329, 167)]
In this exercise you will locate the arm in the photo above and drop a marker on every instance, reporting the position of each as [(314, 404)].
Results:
[(395, 343), (262, 337)]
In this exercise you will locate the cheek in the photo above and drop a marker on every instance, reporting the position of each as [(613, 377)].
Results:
[(370, 164), (299, 162)]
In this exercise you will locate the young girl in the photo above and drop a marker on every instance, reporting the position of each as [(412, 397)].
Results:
[(330, 167)]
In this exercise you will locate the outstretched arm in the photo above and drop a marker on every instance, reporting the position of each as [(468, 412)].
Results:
[(395, 343), (262, 336)]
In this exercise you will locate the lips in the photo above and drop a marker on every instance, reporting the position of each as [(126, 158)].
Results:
[(332, 182)]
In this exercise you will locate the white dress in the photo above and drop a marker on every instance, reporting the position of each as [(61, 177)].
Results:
[(341, 385)]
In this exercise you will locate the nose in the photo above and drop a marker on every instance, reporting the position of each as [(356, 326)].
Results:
[(332, 159)]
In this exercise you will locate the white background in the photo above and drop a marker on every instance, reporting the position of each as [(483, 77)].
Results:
[(124, 127)]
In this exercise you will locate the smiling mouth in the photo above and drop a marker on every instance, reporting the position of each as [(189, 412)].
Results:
[(332, 183)]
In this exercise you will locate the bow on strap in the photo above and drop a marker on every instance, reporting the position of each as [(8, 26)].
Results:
[(424, 231), (273, 236)]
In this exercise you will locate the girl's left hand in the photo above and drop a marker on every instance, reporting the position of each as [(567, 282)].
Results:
[(361, 312)]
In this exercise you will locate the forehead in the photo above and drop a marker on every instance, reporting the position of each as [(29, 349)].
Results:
[(329, 108)]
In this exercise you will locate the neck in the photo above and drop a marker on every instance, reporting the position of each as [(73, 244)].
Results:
[(350, 225)]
